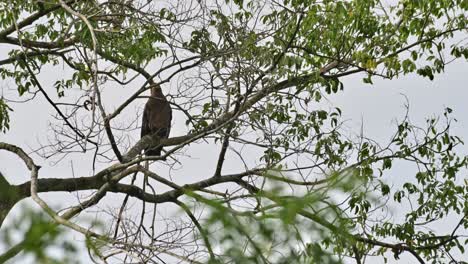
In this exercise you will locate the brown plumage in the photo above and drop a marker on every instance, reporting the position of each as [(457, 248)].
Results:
[(157, 118)]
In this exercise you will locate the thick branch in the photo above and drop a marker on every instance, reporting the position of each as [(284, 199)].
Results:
[(171, 196), (39, 44), (397, 248)]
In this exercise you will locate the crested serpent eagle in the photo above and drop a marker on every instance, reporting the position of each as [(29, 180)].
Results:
[(157, 118)]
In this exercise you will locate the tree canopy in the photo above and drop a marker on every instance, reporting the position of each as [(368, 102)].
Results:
[(257, 168)]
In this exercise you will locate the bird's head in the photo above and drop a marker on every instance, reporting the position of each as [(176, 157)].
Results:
[(155, 90)]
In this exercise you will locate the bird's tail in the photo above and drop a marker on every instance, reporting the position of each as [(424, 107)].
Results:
[(153, 152)]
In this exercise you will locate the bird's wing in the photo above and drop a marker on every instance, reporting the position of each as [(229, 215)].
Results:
[(170, 121)]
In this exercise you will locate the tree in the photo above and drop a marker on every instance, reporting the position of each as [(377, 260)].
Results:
[(245, 80)]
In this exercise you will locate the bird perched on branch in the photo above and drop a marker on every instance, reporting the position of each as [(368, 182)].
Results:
[(157, 118)]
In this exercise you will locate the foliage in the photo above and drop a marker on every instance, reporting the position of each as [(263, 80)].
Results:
[(4, 116), (40, 238)]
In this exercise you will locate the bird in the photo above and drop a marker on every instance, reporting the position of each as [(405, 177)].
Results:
[(157, 117)]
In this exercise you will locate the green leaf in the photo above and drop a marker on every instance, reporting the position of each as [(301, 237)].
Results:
[(4, 116)]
